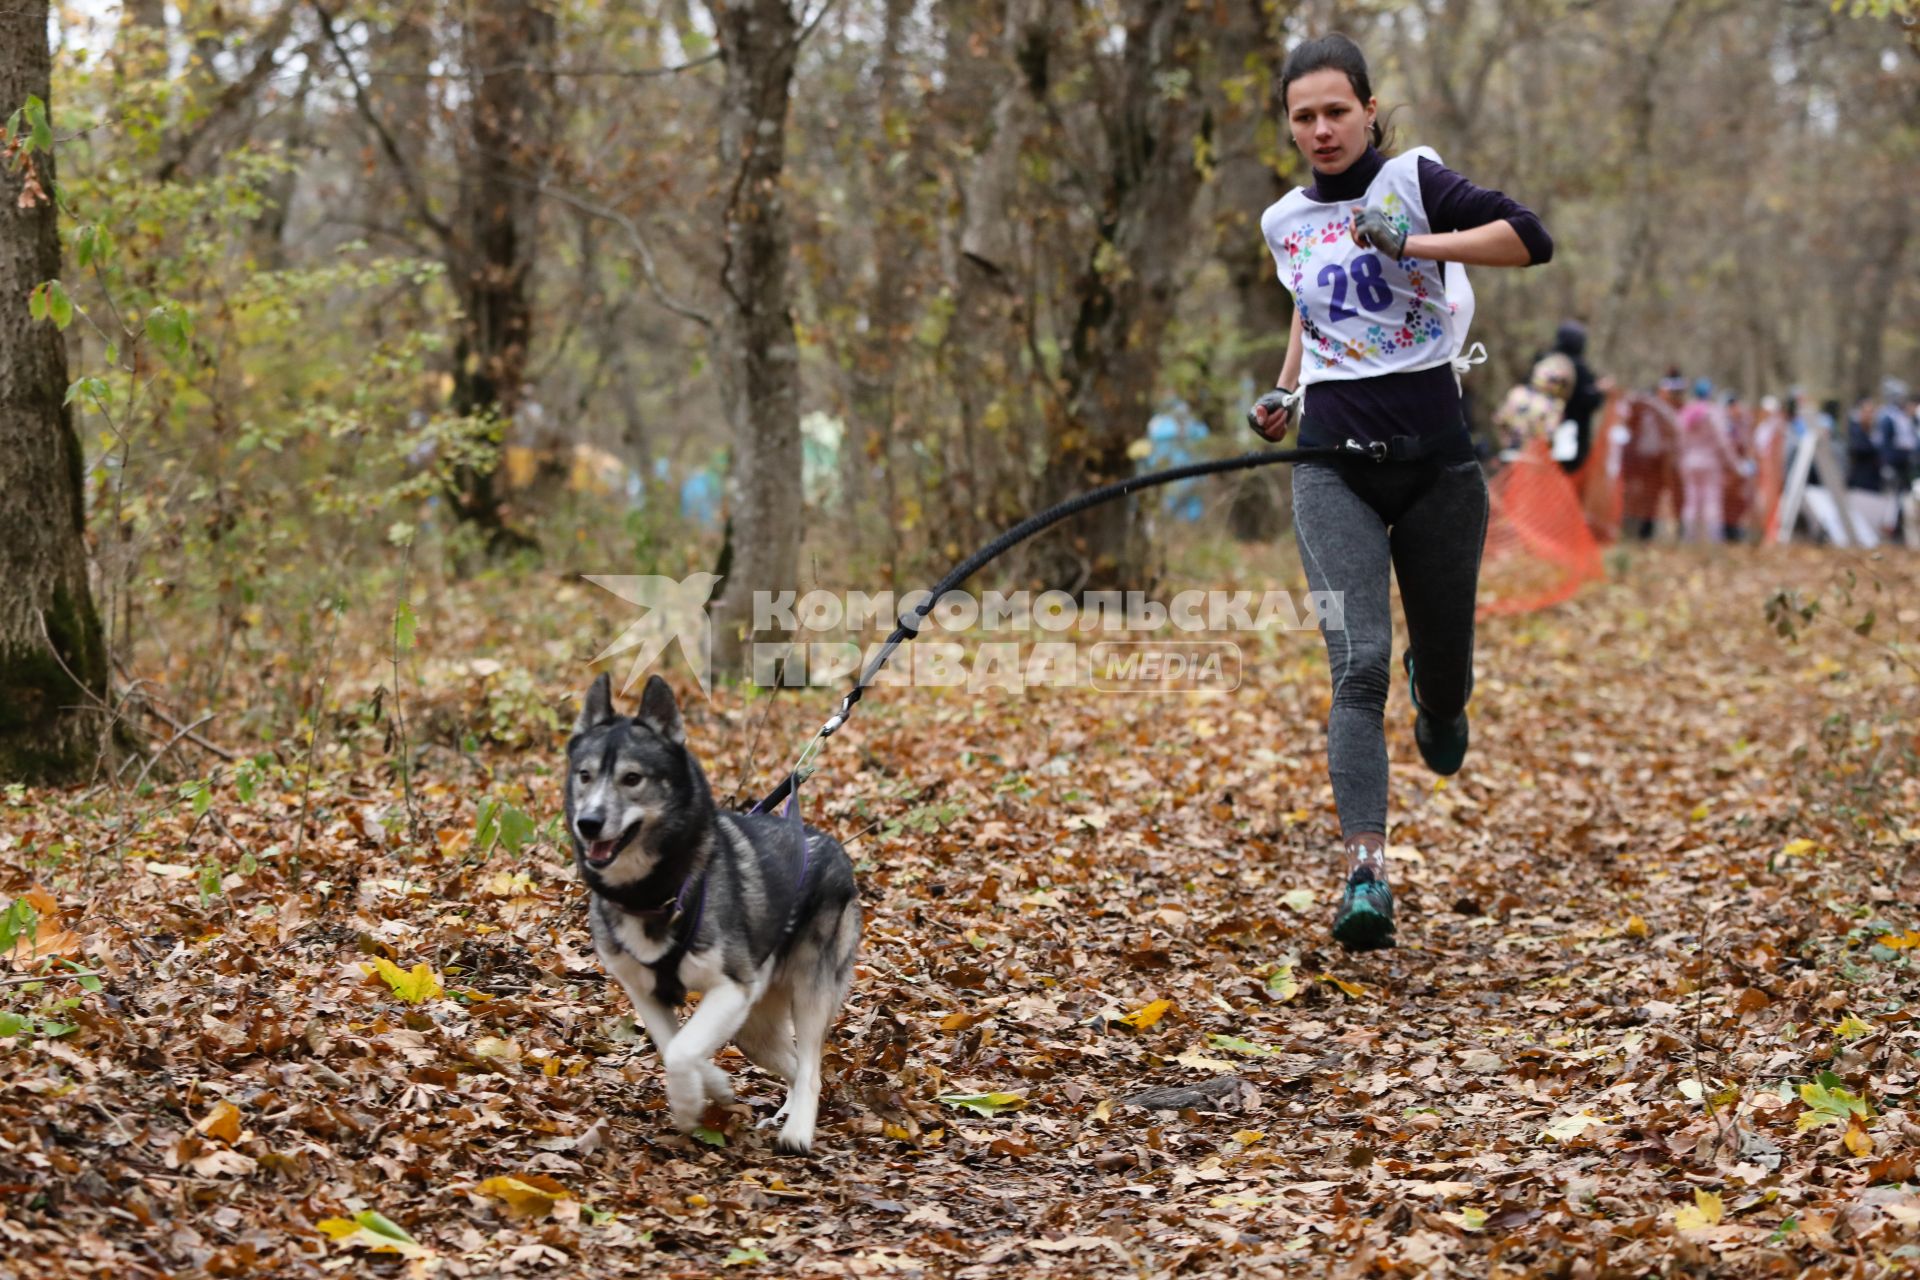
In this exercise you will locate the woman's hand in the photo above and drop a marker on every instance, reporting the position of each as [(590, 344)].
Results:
[(1272, 414), (1371, 227)]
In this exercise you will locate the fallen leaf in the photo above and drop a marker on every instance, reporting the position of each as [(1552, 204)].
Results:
[(223, 1122), (414, 986), (1571, 1127), (1141, 1019), (1236, 1044), (1353, 989), (530, 1195), (373, 1232), (986, 1104), (1199, 1061), (1705, 1211)]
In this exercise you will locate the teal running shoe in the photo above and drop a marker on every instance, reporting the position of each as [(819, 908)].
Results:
[(1365, 919), (1442, 746)]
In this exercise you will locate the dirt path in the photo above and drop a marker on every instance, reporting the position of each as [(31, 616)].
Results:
[(1637, 1015)]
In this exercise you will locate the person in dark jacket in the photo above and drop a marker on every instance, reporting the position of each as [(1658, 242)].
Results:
[(1589, 391)]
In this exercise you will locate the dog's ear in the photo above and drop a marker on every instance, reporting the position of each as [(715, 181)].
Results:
[(597, 707), (658, 710)]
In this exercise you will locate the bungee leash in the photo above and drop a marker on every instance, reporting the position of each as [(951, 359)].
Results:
[(1398, 449)]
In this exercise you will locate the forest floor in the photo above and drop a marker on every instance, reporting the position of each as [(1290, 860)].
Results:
[(1653, 1011)]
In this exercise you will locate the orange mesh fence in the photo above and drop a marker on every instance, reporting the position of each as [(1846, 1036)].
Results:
[(1771, 481), (1539, 548), (1598, 479)]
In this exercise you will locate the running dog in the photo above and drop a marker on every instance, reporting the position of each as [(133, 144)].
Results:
[(757, 913)]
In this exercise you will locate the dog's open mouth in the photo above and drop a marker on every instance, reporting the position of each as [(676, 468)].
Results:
[(601, 852)]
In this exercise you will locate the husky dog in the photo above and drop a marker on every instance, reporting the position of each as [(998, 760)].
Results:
[(755, 912)]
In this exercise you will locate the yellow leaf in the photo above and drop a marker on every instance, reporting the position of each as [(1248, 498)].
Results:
[(374, 1232), (1699, 813), (1140, 450), (505, 885), (530, 1196), (223, 1122), (1857, 1140), (1851, 1028), (1104, 1111), (1247, 1137), (1353, 989), (1201, 1062), (415, 986), (897, 1133), (1705, 1211), (1899, 941), (1470, 1218), (1636, 927), (1141, 1019), (1797, 848)]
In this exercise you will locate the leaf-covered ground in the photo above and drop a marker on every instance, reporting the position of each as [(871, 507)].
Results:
[(1653, 1011)]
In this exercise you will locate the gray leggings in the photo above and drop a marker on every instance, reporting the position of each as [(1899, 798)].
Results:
[(1359, 524)]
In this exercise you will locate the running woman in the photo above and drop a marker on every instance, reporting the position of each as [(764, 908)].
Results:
[(1373, 254)]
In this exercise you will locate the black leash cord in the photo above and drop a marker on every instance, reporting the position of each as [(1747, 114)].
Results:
[(909, 626)]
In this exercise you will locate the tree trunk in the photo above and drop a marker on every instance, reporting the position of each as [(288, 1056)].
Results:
[(876, 365), (50, 729), (1884, 270), (509, 130), (757, 357), (1248, 183), (1126, 293), (981, 354)]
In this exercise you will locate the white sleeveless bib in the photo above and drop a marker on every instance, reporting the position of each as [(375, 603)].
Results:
[(1361, 313)]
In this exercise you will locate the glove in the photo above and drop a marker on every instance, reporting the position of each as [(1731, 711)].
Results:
[(1370, 226), (1277, 408)]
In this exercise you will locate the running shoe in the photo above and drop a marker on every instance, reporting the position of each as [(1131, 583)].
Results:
[(1442, 746), (1365, 919)]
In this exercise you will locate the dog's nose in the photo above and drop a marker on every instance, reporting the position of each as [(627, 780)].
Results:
[(589, 826)]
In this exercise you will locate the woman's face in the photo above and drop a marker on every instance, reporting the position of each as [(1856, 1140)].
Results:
[(1330, 124)]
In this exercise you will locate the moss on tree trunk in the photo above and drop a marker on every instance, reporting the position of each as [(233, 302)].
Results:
[(49, 696)]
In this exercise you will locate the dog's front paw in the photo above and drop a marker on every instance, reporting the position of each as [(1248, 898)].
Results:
[(794, 1144), (686, 1099), (718, 1084)]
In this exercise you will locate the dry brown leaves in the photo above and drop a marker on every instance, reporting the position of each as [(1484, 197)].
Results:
[(1653, 1009)]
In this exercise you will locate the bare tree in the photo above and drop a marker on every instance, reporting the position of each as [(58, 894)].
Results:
[(53, 667), (1125, 292), (757, 355)]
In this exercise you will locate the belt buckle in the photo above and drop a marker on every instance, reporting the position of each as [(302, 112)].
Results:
[(1377, 450)]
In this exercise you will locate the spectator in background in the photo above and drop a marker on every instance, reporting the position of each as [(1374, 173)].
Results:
[(1648, 459), (1737, 496), (1893, 433), (1863, 457), (1893, 438), (1583, 399), (1705, 459), (1536, 410)]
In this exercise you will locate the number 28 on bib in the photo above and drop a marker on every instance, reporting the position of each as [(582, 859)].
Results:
[(1361, 313)]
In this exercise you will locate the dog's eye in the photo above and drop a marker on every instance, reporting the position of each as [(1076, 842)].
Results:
[(629, 779), (585, 774)]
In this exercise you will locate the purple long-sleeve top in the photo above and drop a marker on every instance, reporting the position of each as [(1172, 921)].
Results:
[(1425, 403)]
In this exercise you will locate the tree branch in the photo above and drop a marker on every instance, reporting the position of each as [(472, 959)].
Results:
[(642, 249), (415, 200), (233, 95)]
